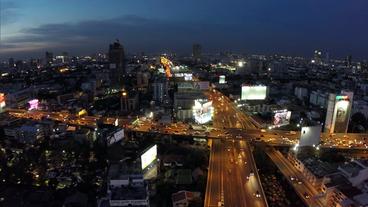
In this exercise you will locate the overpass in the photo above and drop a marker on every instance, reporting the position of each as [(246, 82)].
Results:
[(231, 130)]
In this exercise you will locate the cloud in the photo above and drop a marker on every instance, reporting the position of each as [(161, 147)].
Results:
[(138, 34), (155, 35), (9, 12)]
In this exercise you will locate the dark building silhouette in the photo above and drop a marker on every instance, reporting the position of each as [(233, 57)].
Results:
[(49, 58), (11, 62), (349, 60), (117, 64), (197, 52)]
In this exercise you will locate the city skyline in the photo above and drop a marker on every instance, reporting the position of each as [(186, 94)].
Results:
[(28, 29)]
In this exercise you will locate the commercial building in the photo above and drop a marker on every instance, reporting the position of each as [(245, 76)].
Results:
[(301, 93), (117, 64), (49, 58), (338, 112), (125, 189), (160, 90), (184, 102)]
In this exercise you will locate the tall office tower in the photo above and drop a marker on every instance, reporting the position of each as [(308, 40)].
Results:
[(317, 57), (349, 60), (11, 62), (160, 90), (197, 52), (117, 64), (338, 112), (49, 58)]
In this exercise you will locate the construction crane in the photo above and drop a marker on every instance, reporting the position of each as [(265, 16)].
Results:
[(167, 64)]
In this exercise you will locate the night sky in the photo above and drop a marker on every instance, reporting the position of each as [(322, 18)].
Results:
[(293, 27)]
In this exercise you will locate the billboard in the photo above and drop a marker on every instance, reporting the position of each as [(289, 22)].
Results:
[(222, 79), (119, 135), (341, 114), (194, 85), (186, 76), (281, 118), (202, 111), (253, 92), (149, 156), (2, 102), (33, 104), (310, 136)]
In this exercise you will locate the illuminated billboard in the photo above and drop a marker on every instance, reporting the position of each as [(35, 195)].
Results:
[(149, 156), (253, 92), (338, 112), (281, 118), (203, 111), (222, 79), (2, 102), (341, 114), (186, 76), (194, 85), (33, 104), (310, 136)]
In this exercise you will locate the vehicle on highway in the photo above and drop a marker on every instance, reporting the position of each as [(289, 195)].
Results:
[(257, 194), (292, 178), (306, 195), (251, 173)]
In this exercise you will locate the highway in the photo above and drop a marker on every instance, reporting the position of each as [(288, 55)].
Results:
[(239, 173), (272, 137), (227, 115), (303, 188), (245, 188), (215, 179), (233, 177)]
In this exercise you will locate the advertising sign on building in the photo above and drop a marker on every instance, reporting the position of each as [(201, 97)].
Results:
[(253, 92)]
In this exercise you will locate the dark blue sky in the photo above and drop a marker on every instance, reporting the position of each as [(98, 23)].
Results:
[(294, 27)]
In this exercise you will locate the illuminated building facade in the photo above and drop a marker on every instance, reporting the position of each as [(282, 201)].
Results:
[(338, 112)]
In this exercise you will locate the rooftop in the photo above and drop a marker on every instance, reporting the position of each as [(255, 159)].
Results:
[(351, 168), (129, 193)]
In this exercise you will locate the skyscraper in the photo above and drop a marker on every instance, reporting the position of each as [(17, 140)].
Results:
[(11, 62), (117, 64), (317, 57), (349, 60), (49, 58), (197, 52)]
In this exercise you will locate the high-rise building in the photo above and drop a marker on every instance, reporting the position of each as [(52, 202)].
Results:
[(11, 62), (49, 58), (338, 112), (317, 59), (160, 90), (117, 64), (197, 52), (349, 60)]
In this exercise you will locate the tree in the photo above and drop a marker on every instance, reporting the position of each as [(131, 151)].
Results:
[(358, 123)]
